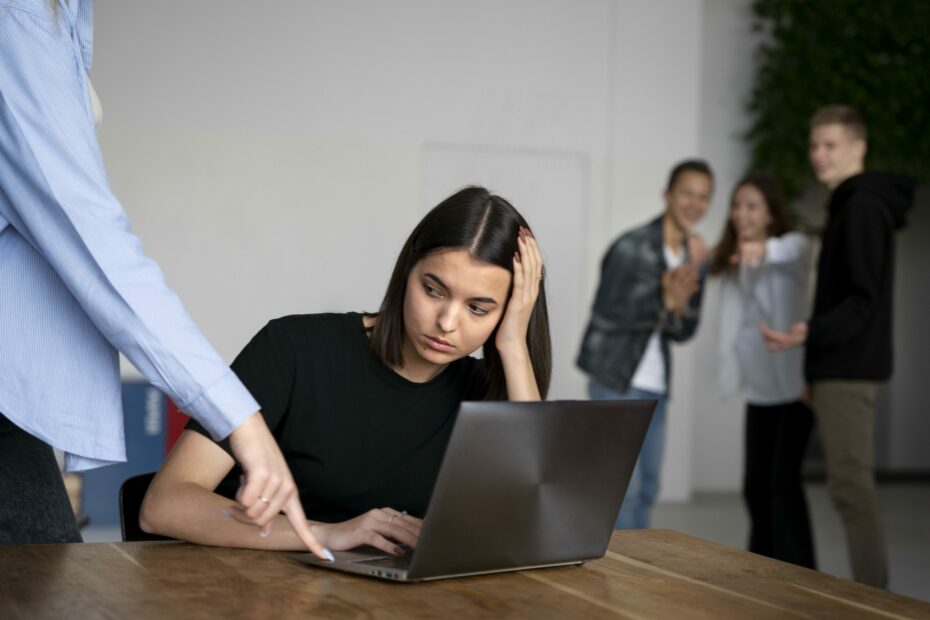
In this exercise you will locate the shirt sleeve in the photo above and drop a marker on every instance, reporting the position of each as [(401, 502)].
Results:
[(789, 248), (54, 192), (267, 367)]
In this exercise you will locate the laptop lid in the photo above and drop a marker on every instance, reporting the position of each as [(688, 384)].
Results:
[(529, 484), (522, 485)]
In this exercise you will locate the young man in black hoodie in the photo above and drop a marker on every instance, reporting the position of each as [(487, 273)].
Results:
[(848, 337)]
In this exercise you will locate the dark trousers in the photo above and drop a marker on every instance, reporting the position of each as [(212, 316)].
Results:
[(34, 506), (845, 413), (776, 439)]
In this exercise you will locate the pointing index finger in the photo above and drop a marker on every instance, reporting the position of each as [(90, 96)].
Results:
[(298, 521)]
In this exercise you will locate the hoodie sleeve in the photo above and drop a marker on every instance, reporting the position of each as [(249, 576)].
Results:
[(867, 230)]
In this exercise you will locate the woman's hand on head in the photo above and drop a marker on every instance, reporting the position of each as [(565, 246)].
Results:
[(384, 528), (527, 277)]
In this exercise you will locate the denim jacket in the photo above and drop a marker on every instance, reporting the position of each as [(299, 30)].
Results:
[(628, 308)]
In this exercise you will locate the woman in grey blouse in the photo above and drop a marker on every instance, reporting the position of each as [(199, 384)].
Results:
[(764, 269)]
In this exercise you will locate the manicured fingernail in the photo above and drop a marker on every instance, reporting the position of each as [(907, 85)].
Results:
[(264, 533), (329, 555), (398, 551)]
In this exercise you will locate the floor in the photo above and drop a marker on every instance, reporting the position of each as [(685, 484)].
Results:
[(721, 517)]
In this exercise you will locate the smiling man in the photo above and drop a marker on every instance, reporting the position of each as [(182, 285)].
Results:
[(649, 294), (849, 334)]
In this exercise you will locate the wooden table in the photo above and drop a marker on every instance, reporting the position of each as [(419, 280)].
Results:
[(646, 574)]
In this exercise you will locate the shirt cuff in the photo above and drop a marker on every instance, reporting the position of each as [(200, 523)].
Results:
[(223, 407)]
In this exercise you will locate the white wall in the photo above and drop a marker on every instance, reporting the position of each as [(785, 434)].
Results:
[(274, 160), (727, 77)]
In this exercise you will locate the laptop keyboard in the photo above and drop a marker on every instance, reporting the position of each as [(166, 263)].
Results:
[(391, 561), (401, 563)]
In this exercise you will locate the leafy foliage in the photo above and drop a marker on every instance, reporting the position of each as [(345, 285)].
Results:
[(871, 54)]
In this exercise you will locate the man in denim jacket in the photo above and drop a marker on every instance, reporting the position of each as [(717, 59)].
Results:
[(649, 293)]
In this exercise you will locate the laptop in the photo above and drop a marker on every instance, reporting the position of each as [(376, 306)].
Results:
[(522, 485)]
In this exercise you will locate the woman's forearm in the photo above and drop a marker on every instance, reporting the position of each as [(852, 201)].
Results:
[(187, 511), (518, 373)]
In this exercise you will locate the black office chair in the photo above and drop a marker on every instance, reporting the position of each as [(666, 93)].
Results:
[(131, 493)]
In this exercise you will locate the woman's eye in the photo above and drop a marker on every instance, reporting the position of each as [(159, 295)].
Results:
[(478, 310), (432, 291)]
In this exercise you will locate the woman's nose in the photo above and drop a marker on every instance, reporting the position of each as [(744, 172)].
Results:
[(448, 318)]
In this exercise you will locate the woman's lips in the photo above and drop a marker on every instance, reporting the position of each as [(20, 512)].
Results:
[(439, 344)]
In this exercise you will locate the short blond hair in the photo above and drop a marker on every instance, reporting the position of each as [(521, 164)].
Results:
[(839, 114)]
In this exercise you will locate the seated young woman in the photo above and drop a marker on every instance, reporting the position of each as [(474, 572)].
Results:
[(362, 405)]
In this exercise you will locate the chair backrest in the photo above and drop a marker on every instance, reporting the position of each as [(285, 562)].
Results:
[(131, 493)]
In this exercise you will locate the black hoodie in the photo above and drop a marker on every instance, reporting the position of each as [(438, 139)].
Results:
[(850, 331)]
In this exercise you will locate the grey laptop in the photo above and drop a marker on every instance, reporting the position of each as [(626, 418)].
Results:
[(522, 485)]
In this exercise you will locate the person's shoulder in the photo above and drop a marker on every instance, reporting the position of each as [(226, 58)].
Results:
[(868, 210), (319, 323), (630, 240), (645, 230)]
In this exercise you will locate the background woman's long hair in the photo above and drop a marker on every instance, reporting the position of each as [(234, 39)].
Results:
[(487, 226), (774, 200)]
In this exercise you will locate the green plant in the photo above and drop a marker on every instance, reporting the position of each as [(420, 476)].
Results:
[(871, 54)]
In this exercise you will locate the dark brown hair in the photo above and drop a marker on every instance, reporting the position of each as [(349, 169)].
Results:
[(487, 226), (774, 202), (844, 115), (688, 165)]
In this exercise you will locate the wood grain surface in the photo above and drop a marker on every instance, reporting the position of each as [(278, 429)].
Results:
[(645, 574)]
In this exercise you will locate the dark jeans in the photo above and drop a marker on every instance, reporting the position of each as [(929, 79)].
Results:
[(776, 439), (34, 506)]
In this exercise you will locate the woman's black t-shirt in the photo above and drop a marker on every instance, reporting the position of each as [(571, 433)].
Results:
[(355, 434)]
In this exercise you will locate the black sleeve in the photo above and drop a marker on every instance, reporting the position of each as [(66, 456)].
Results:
[(866, 233), (266, 366)]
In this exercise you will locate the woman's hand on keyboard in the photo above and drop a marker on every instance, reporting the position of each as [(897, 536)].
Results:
[(384, 528)]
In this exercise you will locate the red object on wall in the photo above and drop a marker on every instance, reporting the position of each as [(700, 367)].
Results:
[(177, 420)]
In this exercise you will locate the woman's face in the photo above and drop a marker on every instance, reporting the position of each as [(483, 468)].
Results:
[(451, 306), (749, 214)]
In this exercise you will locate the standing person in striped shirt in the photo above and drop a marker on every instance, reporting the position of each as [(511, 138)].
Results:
[(75, 288)]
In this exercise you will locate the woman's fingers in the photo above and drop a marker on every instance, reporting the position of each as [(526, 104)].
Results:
[(270, 502), (532, 267), (268, 486), (398, 526), (298, 520), (377, 540)]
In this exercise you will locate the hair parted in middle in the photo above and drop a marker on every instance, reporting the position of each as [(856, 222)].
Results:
[(775, 203), (487, 226)]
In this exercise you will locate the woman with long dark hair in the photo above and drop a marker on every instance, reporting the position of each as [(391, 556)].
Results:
[(362, 405), (764, 271)]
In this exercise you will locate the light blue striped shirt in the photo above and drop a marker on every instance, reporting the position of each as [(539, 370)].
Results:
[(75, 286)]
